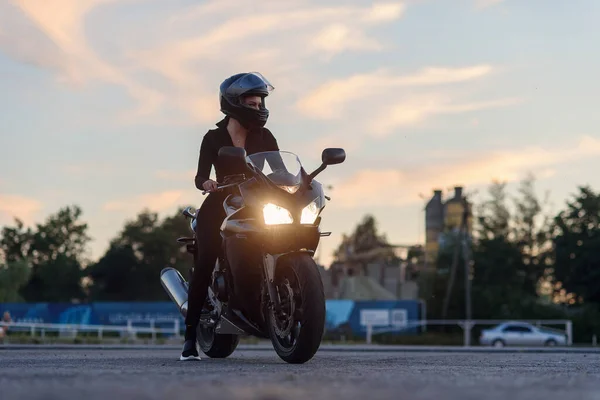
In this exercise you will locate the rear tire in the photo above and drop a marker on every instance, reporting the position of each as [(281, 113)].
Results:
[(214, 345), (550, 343), (498, 343), (297, 276)]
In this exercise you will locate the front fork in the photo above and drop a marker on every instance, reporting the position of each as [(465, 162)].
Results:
[(269, 264)]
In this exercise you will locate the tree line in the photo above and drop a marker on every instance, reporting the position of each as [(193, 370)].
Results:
[(526, 262)]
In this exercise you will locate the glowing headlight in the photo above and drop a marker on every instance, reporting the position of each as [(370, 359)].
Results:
[(310, 213), (275, 215)]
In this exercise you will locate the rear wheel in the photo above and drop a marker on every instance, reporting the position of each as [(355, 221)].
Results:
[(297, 328), (214, 345)]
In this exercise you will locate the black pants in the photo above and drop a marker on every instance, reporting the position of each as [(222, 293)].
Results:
[(208, 244)]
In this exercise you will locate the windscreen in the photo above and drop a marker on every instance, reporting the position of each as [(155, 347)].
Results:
[(281, 167)]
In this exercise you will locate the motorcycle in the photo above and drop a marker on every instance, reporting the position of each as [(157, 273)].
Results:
[(265, 282)]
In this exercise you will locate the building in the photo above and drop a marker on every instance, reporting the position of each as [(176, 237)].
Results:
[(362, 276), (434, 224), (441, 217)]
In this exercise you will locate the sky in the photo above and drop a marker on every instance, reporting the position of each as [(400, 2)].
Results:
[(104, 103)]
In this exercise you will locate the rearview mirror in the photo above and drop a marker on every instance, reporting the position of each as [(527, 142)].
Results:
[(333, 156), (330, 156), (235, 157)]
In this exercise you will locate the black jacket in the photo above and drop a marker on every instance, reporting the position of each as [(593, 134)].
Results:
[(256, 142)]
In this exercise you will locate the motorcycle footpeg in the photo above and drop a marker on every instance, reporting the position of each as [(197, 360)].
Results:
[(207, 321)]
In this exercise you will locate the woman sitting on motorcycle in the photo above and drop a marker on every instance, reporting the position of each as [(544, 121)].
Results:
[(242, 98)]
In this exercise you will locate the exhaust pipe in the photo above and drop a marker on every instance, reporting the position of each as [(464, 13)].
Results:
[(176, 287)]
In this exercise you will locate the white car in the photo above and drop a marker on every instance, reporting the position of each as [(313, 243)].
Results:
[(521, 334)]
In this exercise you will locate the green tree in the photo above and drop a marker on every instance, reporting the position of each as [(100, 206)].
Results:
[(493, 216), (15, 242), (532, 234), (130, 269), (366, 245), (55, 251), (498, 279), (115, 276), (576, 249), (509, 255), (13, 276)]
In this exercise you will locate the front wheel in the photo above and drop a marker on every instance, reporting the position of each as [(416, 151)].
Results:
[(297, 328)]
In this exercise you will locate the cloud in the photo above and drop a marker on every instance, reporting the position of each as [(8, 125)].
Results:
[(384, 12), (487, 3), (157, 202), (64, 47), (17, 206), (21, 39), (418, 108), (172, 63), (287, 27), (394, 187), (329, 100), (337, 38)]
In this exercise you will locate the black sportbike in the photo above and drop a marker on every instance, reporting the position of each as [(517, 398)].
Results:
[(265, 282)]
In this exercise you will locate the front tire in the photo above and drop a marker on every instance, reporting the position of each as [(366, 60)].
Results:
[(297, 329)]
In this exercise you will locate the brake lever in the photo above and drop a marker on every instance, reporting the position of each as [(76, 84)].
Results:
[(219, 188)]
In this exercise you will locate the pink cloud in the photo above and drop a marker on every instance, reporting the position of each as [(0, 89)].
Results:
[(417, 109), (17, 206), (394, 187), (298, 31), (329, 100), (63, 23)]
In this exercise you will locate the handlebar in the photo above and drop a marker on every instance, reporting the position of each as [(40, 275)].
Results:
[(225, 186), (230, 180), (219, 188)]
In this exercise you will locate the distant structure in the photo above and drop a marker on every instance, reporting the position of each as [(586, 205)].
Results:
[(367, 276), (442, 217)]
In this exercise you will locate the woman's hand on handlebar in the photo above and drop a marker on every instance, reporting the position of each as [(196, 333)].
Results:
[(210, 185)]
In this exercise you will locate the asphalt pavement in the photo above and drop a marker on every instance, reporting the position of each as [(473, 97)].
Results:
[(250, 373)]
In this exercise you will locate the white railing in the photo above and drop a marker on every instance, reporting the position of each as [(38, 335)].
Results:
[(128, 329), (467, 326), (132, 330)]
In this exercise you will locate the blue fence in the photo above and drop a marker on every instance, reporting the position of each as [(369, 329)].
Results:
[(341, 314)]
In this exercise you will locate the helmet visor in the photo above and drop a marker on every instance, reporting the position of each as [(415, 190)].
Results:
[(249, 83)]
